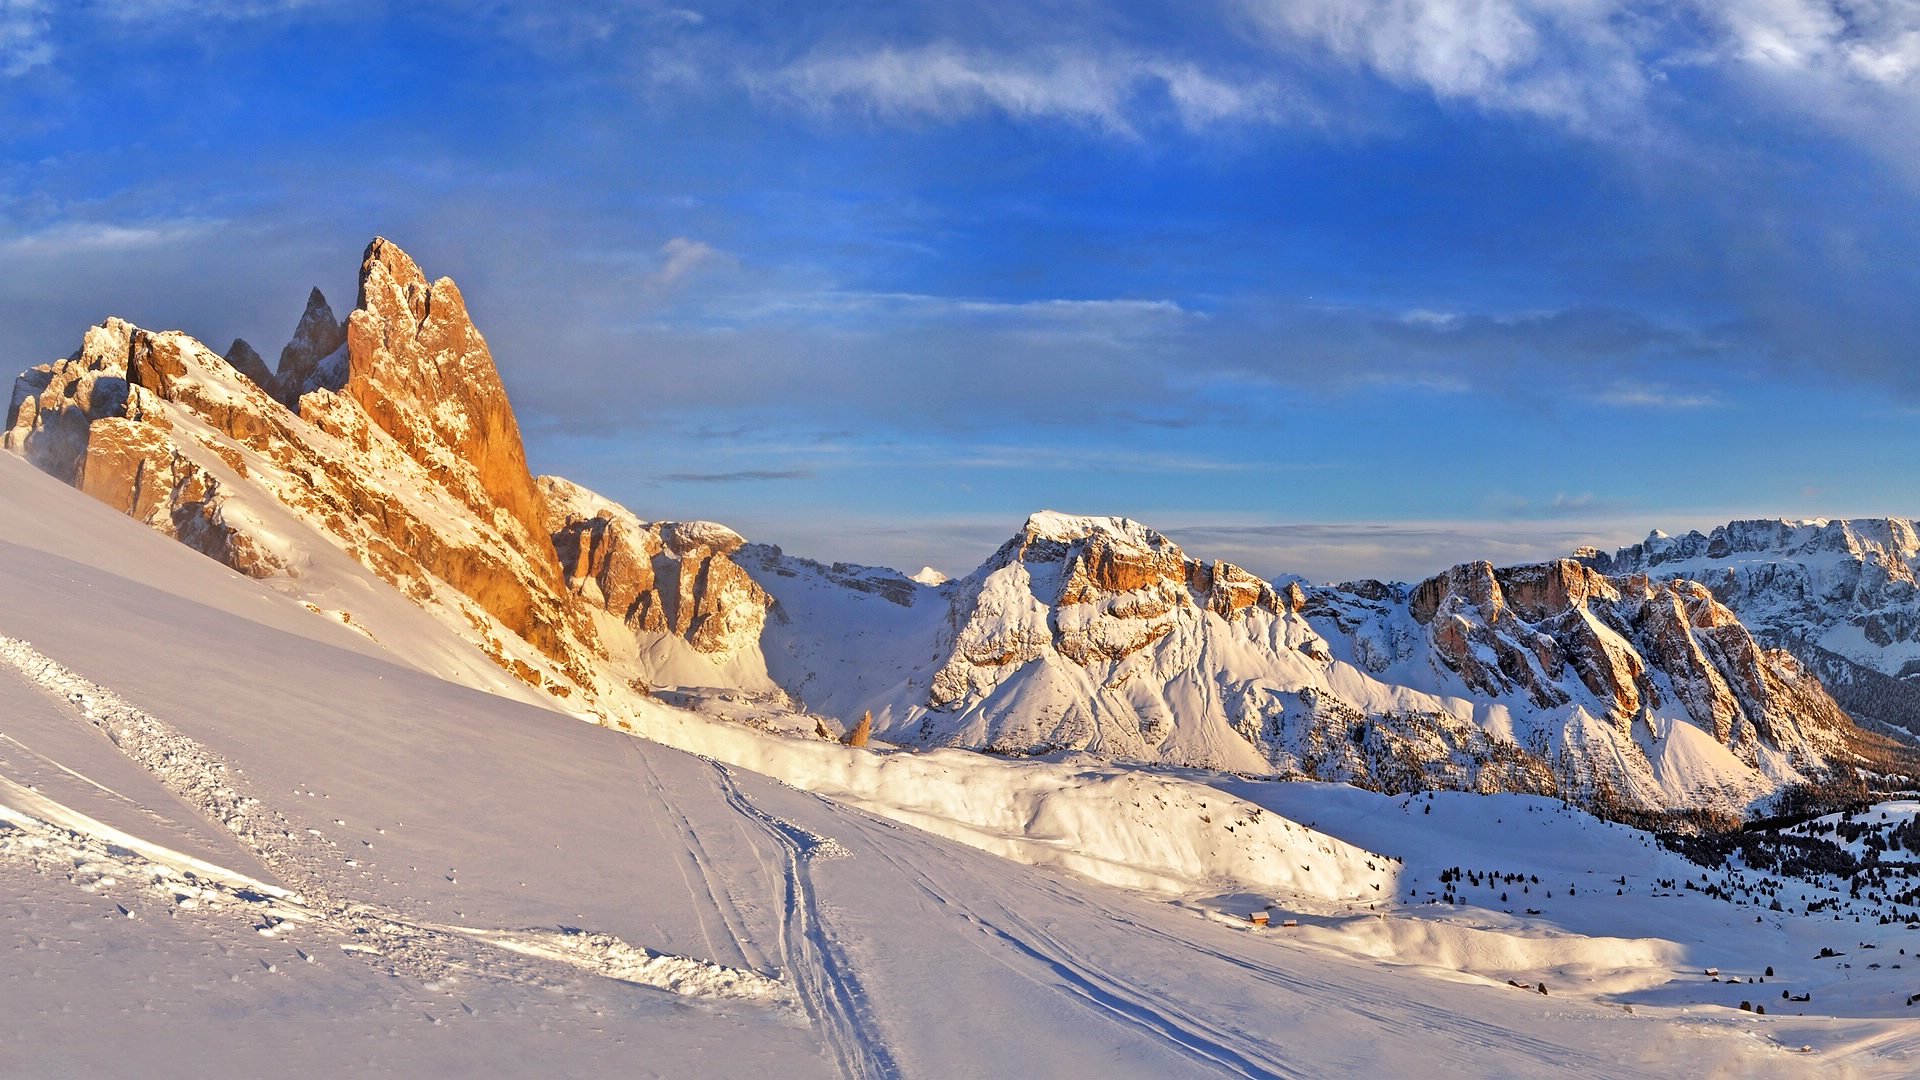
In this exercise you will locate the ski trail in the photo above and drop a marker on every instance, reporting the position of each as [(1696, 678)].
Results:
[(1458, 1042), (698, 871), (59, 841), (818, 969), (1204, 1042), (82, 777)]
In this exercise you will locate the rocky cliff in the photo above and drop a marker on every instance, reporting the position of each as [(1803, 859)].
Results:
[(1839, 594), (660, 580)]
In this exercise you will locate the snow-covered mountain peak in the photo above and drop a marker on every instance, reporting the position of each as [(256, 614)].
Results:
[(1053, 525), (1100, 634), (699, 538), (1885, 539)]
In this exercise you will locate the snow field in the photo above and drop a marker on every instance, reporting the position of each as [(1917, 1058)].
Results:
[(39, 831), (1121, 827)]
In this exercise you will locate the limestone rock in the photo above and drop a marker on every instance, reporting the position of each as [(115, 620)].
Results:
[(674, 577), (1100, 635), (861, 733), (1840, 594), (1095, 591), (421, 372), (173, 434)]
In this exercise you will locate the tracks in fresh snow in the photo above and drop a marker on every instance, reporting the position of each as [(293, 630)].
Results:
[(55, 840), (1114, 997), (1193, 1020), (820, 971)]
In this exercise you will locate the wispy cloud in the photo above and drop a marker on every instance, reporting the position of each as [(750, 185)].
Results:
[(1105, 90), (1560, 505), (744, 476), (93, 237), (1574, 61), (1394, 550), (681, 258), (1651, 396), (28, 37), (23, 37)]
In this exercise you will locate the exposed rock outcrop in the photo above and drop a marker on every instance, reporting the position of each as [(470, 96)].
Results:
[(1097, 591), (1632, 642), (318, 337), (675, 578), (420, 371), (243, 359)]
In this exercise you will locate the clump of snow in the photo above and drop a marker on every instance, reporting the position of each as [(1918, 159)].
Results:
[(604, 954)]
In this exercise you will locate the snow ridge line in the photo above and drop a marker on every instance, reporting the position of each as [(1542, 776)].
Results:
[(54, 839), (182, 765)]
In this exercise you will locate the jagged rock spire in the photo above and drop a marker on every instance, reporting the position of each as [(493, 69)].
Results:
[(317, 337), (421, 371)]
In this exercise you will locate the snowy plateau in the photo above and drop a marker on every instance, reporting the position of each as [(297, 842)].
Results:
[(335, 742)]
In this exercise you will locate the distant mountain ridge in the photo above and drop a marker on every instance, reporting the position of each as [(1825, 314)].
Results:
[(382, 449), (1101, 635), (1839, 593)]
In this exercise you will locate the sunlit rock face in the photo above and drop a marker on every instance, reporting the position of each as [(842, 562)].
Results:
[(390, 436), (400, 449), (673, 577)]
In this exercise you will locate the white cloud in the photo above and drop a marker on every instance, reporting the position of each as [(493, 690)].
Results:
[(1570, 60), (681, 258), (1648, 396), (1093, 88), (27, 38), (91, 237)]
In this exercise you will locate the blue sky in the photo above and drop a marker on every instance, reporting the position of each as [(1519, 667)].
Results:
[(1333, 287)]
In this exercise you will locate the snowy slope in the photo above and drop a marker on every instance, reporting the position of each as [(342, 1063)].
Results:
[(393, 872)]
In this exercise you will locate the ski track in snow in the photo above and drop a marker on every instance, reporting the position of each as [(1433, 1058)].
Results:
[(1229, 1050), (822, 974), (1457, 1045), (58, 841), (708, 890)]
